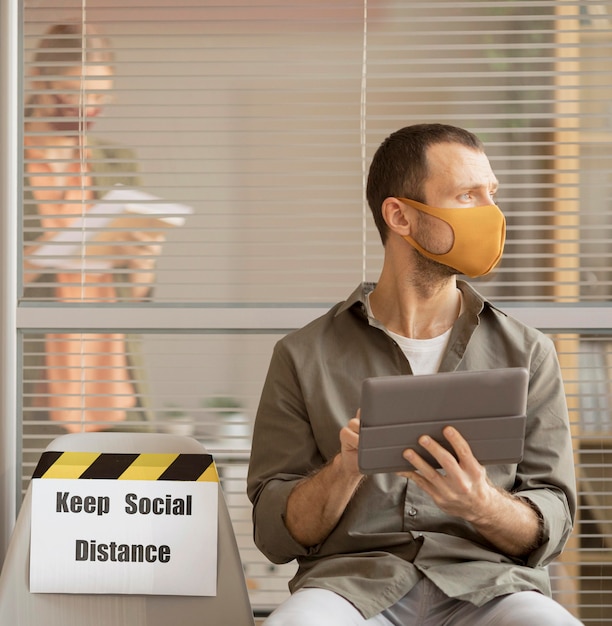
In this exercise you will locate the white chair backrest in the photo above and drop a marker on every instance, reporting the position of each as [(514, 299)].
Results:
[(19, 607)]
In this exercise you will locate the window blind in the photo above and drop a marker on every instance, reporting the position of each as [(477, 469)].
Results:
[(250, 115), (583, 578), (248, 127)]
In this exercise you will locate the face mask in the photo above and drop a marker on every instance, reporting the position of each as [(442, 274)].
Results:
[(480, 234)]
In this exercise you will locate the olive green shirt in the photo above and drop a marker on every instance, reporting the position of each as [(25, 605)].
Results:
[(391, 533)]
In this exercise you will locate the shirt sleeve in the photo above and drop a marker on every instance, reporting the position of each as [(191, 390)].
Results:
[(283, 453), (546, 475)]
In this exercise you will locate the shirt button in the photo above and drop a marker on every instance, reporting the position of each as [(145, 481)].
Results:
[(412, 512)]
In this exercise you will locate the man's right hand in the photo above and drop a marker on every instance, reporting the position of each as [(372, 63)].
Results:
[(349, 444)]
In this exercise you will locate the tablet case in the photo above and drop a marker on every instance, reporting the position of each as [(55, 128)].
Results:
[(487, 407)]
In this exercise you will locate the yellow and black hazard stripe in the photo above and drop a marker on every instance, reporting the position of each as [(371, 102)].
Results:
[(114, 466)]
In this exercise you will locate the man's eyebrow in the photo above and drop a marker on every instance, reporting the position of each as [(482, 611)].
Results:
[(493, 184)]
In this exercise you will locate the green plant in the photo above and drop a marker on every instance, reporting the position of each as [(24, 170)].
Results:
[(174, 412), (224, 403)]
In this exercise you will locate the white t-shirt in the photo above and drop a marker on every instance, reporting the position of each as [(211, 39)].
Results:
[(424, 355)]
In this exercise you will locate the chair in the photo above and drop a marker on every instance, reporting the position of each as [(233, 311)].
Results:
[(19, 607)]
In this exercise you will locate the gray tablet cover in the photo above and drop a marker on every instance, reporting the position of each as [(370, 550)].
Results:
[(487, 407)]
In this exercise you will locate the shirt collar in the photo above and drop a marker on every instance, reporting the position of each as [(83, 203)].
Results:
[(357, 297), (473, 301)]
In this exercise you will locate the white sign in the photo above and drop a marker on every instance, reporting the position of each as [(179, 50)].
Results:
[(124, 536)]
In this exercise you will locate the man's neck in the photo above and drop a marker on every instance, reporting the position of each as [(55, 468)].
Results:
[(418, 311)]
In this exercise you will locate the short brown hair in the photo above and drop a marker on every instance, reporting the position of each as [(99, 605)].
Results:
[(399, 166)]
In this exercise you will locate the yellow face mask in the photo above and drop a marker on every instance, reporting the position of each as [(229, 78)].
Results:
[(480, 234)]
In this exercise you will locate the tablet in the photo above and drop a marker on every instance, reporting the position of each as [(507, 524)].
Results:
[(487, 407)]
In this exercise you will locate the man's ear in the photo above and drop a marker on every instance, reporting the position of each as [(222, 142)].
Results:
[(398, 216)]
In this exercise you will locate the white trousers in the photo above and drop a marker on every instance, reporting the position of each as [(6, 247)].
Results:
[(424, 605)]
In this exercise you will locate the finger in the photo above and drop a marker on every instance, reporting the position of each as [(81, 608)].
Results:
[(423, 475), (351, 430), (422, 468), (354, 424), (349, 439), (461, 447), (446, 460)]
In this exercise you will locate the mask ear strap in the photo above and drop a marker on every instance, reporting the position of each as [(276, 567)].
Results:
[(430, 210), (414, 204)]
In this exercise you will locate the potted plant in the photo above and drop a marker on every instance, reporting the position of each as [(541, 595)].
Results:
[(231, 424), (177, 421)]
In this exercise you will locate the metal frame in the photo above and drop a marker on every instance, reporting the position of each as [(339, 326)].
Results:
[(202, 318), (9, 141)]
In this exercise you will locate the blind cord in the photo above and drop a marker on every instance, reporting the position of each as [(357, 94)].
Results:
[(81, 149), (362, 130)]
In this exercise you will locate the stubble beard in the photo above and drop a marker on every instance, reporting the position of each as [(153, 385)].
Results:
[(429, 275)]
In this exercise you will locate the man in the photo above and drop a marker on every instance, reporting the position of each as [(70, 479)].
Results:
[(465, 545)]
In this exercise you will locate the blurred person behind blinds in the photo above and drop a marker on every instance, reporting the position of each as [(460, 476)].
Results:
[(74, 382)]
